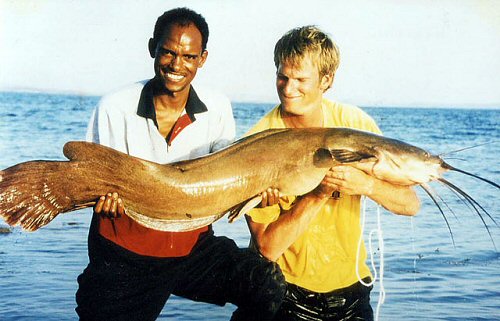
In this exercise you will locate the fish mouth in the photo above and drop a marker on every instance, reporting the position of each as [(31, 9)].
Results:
[(446, 166)]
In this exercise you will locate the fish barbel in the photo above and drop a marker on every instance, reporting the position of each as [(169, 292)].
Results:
[(189, 194)]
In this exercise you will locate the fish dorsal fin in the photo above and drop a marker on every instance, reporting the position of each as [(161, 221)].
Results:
[(79, 151), (92, 152), (347, 156)]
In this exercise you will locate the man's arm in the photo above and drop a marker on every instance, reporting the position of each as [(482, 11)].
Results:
[(224, 131), (98, 131), (274, 238), (398, 199)]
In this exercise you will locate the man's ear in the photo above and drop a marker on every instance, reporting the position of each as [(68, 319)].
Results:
[(326, 82), (152, 47), (203, 58)]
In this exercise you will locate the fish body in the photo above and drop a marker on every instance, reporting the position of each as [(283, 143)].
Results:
[(189, 194)]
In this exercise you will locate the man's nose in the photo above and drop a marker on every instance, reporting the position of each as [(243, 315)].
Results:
[(176, 62), (289, 87)]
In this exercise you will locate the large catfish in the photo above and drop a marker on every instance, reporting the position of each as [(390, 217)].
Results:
[(189, 194)]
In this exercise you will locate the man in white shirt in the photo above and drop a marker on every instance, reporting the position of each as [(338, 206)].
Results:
[(133, 269)]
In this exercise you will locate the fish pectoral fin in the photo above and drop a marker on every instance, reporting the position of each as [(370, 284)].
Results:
[(243, 208), (347, 156)]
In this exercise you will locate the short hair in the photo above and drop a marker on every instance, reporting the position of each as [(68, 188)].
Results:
[(294, 45), (182, 17)]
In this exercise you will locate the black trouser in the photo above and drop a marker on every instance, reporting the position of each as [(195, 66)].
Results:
[(351, 303), (120, 285)]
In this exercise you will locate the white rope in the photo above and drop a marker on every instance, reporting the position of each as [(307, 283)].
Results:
[(415, 255), (381, 297)]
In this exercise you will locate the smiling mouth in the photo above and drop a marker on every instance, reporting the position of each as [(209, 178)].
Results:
[(290, 97), (174, 77)]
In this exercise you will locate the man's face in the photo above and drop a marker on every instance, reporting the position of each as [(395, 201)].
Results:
[(178, 55), (300, 88)]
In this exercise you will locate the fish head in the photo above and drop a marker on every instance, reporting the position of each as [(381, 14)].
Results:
[(404, 164)]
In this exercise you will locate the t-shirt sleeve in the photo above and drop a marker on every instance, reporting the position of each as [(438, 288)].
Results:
[(106, 126), (355, 117), (92, 128), (270, 214), (267, 122), (265, 215), (224, 132)]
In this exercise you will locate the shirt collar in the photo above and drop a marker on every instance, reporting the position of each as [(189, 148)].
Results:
[(146, 107)]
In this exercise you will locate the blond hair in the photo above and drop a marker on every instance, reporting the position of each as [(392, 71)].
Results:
[(294, 45)]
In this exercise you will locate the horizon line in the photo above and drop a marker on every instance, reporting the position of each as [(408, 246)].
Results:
[(490, 106)]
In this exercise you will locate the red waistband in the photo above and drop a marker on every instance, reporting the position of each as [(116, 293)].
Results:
[(145, 241)]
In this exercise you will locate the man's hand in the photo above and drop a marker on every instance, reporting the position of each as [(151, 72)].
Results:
[(346, 180), (327, 186), (350, 180), (110, 206), (270, 197), (341, 178)]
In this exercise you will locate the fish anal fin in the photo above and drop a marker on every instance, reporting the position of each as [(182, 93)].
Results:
[(172, 225)]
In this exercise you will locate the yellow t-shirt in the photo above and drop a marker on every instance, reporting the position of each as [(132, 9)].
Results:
[(323, 258)]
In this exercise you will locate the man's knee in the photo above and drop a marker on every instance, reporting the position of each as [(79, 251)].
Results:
[(263, 293)]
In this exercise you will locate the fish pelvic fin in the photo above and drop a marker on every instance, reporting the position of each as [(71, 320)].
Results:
[(243, 208), (32, 194)]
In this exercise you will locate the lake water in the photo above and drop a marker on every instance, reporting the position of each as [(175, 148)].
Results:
[(426, 277)]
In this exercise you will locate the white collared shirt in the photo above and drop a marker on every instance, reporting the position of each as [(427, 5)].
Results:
[(115, 123)]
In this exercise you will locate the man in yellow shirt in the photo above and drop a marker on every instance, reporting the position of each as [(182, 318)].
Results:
[(314, 237)]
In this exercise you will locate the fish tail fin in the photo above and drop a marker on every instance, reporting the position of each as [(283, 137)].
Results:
[(32, 193)]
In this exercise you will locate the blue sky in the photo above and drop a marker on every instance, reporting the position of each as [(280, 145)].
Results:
[(397, 53)]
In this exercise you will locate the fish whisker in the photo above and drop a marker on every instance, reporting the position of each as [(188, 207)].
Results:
[(457, 158), (459, 196), (443, 201), (448, 166), (469, 198), (473, 203), (430, 192), (465, 148)]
